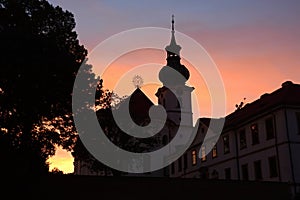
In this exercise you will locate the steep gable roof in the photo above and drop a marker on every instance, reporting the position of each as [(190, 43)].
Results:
[(139, 105)]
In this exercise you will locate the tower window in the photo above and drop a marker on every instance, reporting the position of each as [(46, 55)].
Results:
[(194, 157), (202, 130), (179, 102), (203, 153), (214, 150), (165, 140)]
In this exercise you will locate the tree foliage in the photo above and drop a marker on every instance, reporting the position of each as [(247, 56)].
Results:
[(40, 57)]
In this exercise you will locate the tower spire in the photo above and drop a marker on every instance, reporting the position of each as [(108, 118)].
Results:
[(173, 48), (166, 75)]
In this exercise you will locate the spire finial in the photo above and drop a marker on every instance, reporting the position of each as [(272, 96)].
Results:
[(173, 47), (172, 22)]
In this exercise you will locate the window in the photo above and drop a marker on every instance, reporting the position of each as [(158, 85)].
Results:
[(226, 144), (257, 170), (254, 132), (273, 166), (194, 157), (166, 171), (269, 128), (172, 168), (214, 150), (215, 174), (179, 102), (298, 121), (203, 153), (185, 163), (165, 140), (245, 175), (243, 141), (202, 130), (228, 173), (180, 164)]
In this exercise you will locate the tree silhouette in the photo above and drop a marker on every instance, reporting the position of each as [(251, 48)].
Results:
[(39, 58), (56, 171)]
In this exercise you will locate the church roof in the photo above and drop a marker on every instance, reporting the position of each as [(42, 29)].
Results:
[(139, 105)]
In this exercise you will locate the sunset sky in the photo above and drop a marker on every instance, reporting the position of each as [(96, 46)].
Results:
[(255, 44)]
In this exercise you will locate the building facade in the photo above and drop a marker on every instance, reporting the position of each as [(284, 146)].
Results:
[(259, 142)]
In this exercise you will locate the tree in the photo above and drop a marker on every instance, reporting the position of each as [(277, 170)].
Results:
[(56, 171), (39, 58)]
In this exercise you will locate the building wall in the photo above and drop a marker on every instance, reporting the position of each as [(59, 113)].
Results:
[(294, 138), (283, 147)]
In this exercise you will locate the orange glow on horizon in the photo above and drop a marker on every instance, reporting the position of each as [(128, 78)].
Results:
[(62, 160), (147, 64), (248, 69)]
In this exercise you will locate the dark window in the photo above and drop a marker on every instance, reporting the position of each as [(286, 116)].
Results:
[(245, 175), (203, 153), (185, 161), (180, 164), (298, 121), (226, 144), (257, 170), (243, 141), (172, 168), (215, 175), (202, 130), (166, 171), (269, 128), (194, 157), (214, 150), (273, 166), (254, 132), (178, 104), (228, 173), (165, 140), (204, 174)]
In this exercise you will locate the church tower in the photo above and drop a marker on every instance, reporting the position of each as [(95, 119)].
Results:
[(174, 76)]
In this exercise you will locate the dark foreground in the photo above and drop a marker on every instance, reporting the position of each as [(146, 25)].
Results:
[(92, 187)]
